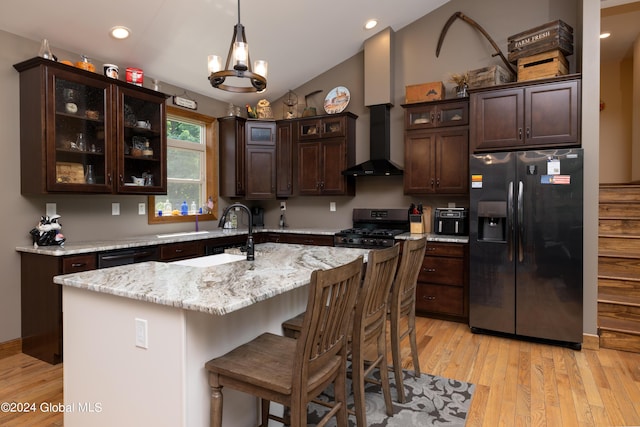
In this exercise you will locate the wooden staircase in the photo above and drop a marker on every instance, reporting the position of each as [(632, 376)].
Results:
[(619, 267)]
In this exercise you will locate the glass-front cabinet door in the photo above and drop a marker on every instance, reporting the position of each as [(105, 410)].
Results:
[(142, 148), (80, 138)]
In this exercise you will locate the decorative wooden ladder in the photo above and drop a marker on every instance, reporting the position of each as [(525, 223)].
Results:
[(619, 267)]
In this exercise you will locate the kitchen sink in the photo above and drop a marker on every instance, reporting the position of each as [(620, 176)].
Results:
[(179, 234), (211, 260)]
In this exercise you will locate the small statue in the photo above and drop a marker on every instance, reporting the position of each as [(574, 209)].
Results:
[(251, 113), (47, 232)]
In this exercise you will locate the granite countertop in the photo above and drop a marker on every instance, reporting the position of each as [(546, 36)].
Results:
[(215, 289), (73, 248)]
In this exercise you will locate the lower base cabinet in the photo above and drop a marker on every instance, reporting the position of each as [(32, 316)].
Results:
[(41, 301), (443, 283)]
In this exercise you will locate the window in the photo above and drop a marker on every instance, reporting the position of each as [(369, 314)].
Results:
[(192, 170)]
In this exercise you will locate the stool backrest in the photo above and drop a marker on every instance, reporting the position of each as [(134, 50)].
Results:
[(371, 305), (332, 296), (403, 292)]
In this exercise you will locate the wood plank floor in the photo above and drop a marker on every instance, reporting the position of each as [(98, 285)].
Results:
[(518, 383)]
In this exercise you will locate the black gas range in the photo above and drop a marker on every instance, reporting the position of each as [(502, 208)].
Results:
[(373, 228)]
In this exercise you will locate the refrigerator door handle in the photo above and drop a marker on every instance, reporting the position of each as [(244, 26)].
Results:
[(510, 222), (520, 222)]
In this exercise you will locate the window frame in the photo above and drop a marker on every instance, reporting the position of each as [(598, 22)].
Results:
[(211, 171)]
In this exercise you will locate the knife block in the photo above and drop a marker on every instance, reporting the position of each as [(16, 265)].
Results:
[(416, 225)]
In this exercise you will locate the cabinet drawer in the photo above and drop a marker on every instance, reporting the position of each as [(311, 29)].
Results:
[(440, 299), (308, 239), (443, 270), (444, 249), (74, 264), (175, 251)]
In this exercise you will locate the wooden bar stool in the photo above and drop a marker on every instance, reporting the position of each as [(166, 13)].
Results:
[(403, 306), (293, 372), (369, 324)]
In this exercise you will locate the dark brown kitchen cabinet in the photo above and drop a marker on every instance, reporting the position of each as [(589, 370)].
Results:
[(442, 289), (526, 115), (41, 301), (261, 160), (81, 132), (232, 154), (182, 250), (436, 148), (284, 158), (325, 147), (298, 238), (247, 158)]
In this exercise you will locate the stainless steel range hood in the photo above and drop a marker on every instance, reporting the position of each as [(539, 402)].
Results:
[(378, 94)]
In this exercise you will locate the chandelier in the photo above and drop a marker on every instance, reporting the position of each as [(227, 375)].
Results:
[(238, 65)]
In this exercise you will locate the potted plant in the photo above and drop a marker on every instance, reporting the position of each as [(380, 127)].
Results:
[(461, 80)]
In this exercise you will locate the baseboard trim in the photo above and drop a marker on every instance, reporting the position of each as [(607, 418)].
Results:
[(590, 342), (9, 348)]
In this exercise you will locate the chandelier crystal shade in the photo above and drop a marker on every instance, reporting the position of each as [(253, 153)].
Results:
[(238, 65)]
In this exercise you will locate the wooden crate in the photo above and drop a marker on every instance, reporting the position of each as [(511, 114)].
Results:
[(69, 173), (489, 76), (550, 36), (433, 91), (542, 65)]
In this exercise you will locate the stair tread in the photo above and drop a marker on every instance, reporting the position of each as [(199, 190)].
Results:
[(610, 298), (617, 276), (617, 325), (615, 254)]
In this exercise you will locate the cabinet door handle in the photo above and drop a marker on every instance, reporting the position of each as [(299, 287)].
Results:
[(78, 264), (528, 133), (432, 182), (431, 248), (432, 117), (429, 270), (520, 134), (179, 251), (437, 183), (429, 298), (439, 118)]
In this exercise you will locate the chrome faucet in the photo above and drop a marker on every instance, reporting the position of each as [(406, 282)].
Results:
[(223, 219)]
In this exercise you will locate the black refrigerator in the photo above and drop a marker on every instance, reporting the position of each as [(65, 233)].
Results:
[(525, 244)]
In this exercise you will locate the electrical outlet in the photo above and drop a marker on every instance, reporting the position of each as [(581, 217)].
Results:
[(51, 209), (142, 340), (332, 206), (451, 205), (115, 208), (141, 208), (283, 206)]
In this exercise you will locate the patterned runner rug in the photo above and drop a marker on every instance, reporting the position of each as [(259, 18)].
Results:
[(430, 401)]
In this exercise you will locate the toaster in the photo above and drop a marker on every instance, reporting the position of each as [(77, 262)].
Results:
[(451, 221)]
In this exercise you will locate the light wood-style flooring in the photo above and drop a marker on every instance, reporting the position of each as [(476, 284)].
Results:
[(518, 383)]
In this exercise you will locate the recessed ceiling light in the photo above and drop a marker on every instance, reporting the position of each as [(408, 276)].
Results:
[(120, 32), (604, 35), (371, 23)]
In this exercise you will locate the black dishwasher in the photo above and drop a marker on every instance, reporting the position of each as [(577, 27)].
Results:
[(127, 256)]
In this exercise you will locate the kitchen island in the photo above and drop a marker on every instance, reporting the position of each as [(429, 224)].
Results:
[(136, 337)]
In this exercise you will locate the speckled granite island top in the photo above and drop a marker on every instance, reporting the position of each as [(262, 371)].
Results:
[(216, 289)]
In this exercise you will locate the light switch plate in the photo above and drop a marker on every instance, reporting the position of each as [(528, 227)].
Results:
[(332, 206), (115, 208), (283, 206), (141, 208), (142, 340)]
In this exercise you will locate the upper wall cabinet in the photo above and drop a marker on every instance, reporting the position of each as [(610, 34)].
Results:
[(325, 147), (526, 115), (247, 158), (81, 132)]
